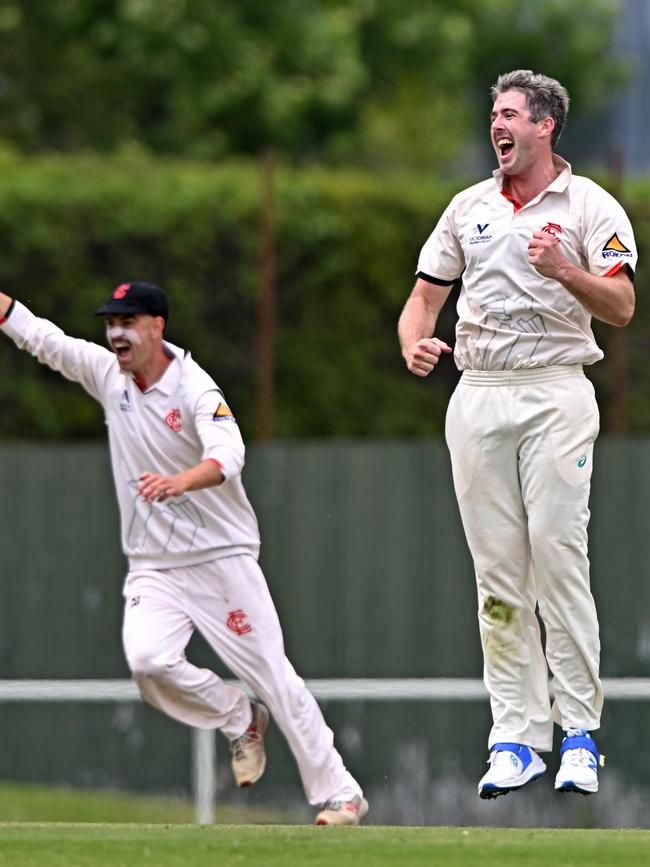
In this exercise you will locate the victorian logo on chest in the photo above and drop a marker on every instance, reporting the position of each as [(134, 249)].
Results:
[(173, 419), (479, 234)]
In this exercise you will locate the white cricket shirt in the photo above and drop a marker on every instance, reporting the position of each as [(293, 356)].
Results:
[(509, 315), (173, 425)]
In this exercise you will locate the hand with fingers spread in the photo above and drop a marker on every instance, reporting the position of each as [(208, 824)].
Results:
[(422, 357), (155, 487)]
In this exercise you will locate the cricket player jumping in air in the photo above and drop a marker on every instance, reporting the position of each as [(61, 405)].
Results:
[(539, 251), (191, 539)]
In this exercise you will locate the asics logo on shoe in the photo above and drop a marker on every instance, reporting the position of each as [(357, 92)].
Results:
[(512, 765)]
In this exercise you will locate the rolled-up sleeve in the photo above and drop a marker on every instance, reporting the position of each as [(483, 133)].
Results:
[(219, 433)]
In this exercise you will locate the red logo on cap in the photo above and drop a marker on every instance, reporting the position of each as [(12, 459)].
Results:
[(121, 290)]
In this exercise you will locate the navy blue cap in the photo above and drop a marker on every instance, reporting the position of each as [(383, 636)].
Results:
[(130, 298)]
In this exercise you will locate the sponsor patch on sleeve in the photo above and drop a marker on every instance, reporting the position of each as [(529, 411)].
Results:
[(223, 413), (616, 249)]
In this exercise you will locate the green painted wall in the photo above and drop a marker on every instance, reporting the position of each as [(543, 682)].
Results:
[(364, 553)]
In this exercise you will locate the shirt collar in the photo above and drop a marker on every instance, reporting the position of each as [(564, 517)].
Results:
[(170, 378), (560, 183)]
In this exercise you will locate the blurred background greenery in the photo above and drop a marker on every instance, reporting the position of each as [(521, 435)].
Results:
[(276, 168), (389, 83)]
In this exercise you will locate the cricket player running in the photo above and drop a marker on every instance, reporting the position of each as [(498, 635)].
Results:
[(540, 251), (191, 539)]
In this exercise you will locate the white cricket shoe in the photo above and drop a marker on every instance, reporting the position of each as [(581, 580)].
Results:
[(511, 767), (579, 765), (248, 759), (343, 812)]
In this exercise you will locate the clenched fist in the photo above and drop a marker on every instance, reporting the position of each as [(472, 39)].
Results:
[(423, 356)]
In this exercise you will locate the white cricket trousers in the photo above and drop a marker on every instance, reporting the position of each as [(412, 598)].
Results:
[(521, 445), (229, 603)]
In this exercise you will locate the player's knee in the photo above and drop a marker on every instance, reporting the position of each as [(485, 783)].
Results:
[(553, 532), (146, 662)]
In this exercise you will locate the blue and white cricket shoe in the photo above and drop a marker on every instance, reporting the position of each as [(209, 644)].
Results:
[(511, 767), (579, 765)]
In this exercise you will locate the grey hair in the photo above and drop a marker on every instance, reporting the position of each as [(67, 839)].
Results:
[(545, 97)]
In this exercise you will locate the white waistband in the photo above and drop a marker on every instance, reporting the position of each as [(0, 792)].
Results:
[(521, 377)]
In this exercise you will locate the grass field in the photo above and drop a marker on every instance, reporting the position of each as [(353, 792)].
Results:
[(62, 827), (24, 802), (113, 845)]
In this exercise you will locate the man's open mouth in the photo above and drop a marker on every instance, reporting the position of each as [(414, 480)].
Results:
[(505, 145), (122, 350)]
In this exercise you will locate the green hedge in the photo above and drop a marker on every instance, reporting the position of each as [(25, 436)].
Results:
[(347, 245)]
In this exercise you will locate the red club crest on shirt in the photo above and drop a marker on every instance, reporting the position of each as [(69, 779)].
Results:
[(552, 229), (173, 419), (238, 623), (121, 290)]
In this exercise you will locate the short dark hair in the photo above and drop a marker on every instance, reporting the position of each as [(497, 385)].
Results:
[(545, 97)]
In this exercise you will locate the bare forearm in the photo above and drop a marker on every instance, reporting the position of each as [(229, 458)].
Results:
[(420, 313), (420, 350), (418, 320), (156, 487), (203, 475), (610, 299)]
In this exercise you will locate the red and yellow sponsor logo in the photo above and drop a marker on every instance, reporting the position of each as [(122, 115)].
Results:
[(616, 249), (222, 412)]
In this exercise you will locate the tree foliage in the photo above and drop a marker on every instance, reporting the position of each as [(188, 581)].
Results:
[(381, 82), (73, 228), (347, 243)]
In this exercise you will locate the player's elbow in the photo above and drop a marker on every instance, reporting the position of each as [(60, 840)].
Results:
[(624, 313)]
